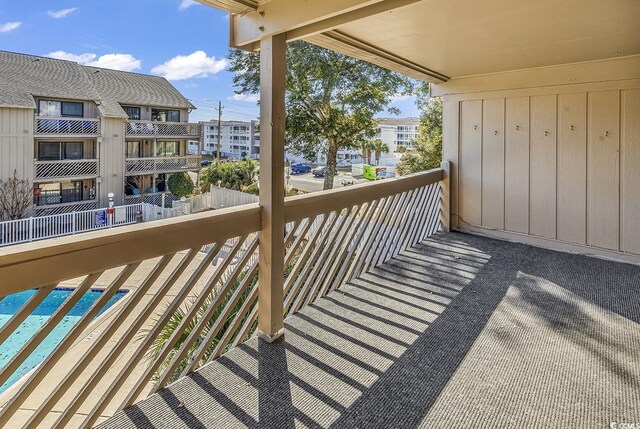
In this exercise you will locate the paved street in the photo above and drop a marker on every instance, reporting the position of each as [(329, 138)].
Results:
[(306, 182)]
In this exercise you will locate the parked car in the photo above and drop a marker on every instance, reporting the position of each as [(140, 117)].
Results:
[(205, 163), (300, 168), (321, 170)]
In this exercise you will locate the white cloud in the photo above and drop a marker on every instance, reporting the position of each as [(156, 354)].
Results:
[(9, 26), (186, 4), (124, 62), (249, 98), (62, 55), (57, 14), (399, 97), (196, 64)]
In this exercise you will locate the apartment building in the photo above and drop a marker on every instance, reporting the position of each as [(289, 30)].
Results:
[(80, 133), (238, 139), (394, 132)]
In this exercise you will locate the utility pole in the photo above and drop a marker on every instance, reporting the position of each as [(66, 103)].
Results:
[(219, 129)]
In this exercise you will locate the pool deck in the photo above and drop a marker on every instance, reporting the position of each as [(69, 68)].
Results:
[(87, 339)]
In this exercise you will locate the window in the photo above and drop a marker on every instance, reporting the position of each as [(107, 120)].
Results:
[(55, 151), (60, 109), (133, 149), (167, 149), (67, 192), (162, 115), (132, 112)]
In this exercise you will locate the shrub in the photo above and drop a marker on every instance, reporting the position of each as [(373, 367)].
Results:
[(231, 175), (252, 189), (180, 184)]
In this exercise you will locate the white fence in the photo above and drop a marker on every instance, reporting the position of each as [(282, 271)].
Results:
[(40, 228), (216, 198)]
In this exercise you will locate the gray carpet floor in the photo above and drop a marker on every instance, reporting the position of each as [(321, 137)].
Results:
[(458, 332)]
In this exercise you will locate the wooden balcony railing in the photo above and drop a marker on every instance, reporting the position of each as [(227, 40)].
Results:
[(67, 126), (163, 129), (193, 291), (68, 168), (162, 164)]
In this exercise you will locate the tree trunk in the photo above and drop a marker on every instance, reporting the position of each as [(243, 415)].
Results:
[(332, 154)]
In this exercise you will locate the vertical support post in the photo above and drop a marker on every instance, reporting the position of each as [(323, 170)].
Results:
[(272, 126), (445, 197), (31, 228)]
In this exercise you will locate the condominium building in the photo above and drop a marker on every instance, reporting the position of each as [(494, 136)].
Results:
[(80, 133), (394, 132), (238, 139)]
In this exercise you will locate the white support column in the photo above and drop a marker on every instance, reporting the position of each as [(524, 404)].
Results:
[(445, 197), (272, 125)]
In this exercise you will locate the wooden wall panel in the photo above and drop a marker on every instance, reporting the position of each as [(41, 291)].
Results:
[(16, 142), (450, 138), (470, 154), (630, 172), (603, 170), (493, 163), (572, 167), (112, 150), (543, 166), (516, 199)]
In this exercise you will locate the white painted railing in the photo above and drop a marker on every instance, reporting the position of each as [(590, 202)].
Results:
[(162, 164), (186, 306), (76, 168), (67, 126), (162, 129), (43, 227)]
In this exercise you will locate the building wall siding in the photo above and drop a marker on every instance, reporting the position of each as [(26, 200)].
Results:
[(112, 150), (566, 171), (16, 142)]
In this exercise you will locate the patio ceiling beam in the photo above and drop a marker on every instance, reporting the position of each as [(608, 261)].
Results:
[(302, 19)]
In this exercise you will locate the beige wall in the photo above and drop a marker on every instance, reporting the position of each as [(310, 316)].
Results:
[(16, 142), (112, 152), (557, 166)]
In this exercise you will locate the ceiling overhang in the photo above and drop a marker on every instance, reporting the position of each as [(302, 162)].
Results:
[(439, 40)]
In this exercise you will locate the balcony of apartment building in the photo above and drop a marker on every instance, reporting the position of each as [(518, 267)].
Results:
[(65, 176), (146, 122), (499, 290), (64, 196), (66, 119), (68, 160), (160, 144)]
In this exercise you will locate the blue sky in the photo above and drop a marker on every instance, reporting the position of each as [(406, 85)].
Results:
[(180, 39)]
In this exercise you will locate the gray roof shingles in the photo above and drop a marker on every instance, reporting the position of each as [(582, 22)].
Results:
[(23, 77)]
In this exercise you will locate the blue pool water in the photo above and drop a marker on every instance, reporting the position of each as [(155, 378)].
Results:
[(12, 303)]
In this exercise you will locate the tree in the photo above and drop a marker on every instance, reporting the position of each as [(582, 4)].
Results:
[(331, 98), (142, 184), (427, 152), (366, 147), (234, 175), (16, 197), (180, 184), (379, 148)]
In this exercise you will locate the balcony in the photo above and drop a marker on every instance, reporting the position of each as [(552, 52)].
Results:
[(388, 322), (67, 127), (161, 164), (65, 169), (163, 129)]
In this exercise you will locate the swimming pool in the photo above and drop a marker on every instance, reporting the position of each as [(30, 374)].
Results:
[(12, 303)]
